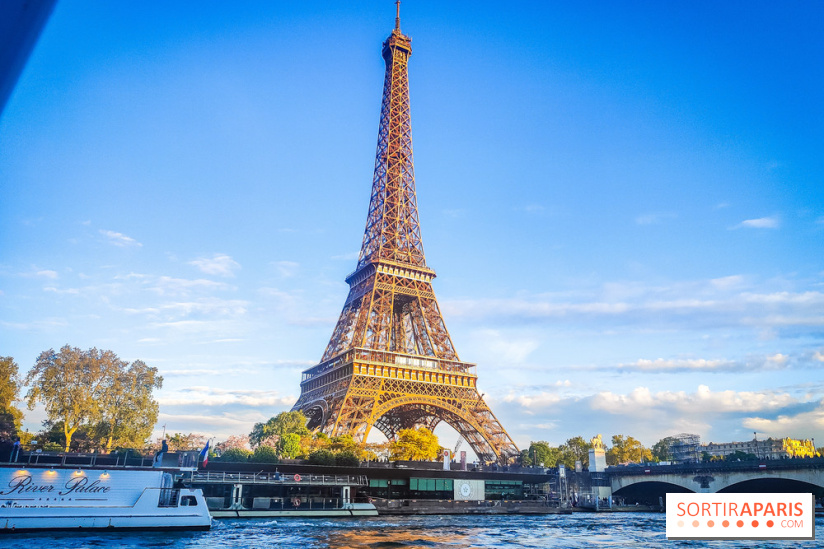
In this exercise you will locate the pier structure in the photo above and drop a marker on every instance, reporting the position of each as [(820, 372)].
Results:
[(390, 362)]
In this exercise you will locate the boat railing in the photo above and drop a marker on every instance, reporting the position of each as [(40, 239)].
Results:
[(278, 478), (125, 459), (285, 503), (85, 460)]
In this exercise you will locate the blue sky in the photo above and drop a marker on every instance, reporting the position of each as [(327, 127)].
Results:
[(623, 203)]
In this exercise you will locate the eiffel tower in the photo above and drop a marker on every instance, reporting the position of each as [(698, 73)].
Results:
[(390, 362)]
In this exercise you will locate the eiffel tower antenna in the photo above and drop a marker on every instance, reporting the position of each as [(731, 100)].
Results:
[(390, 362), (398, 15)]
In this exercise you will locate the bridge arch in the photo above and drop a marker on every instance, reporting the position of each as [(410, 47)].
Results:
[(648, 492)]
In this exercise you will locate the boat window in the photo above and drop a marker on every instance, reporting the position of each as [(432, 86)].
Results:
[(188, 501)]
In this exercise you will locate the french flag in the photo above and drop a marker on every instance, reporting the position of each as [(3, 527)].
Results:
[(204, 454)]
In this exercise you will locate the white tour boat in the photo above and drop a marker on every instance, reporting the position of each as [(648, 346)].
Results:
[(34, 498)]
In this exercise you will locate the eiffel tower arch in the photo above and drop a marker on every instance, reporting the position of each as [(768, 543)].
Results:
[(390, 363)]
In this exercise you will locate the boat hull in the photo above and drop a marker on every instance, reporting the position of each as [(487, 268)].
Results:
[(352, 510), (33, 499)]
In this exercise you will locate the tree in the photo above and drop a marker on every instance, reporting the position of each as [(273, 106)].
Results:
[(10, 415), (233, 442), (346, 459), (265, 454), (284, 423), (576, 449), (98, 390), (626, 449), (288, 446), (128, 409), (322, 457), (235, 454), (415, 445), (541, 453), (179, 442), (661, 449), (71, 384)]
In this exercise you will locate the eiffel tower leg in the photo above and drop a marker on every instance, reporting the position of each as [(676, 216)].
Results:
[(356, 411)]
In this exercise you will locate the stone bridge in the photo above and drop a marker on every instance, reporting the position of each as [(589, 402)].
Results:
[(790, 475)]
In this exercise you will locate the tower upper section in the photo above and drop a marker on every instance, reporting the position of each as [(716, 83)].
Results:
[(393, 233)]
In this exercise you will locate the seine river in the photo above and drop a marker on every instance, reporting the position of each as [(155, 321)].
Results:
[(585, 530)]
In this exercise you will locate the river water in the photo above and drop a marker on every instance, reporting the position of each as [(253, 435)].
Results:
[(584, 530)]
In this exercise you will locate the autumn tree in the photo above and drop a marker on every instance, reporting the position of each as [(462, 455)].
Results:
[(234, 441), (10, 415), (414, 445), (180, 442), (626, 449)]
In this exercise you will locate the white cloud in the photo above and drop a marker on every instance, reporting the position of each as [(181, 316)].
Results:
[(727, 282), (212, 307), (209, 396), (534, 401), (760, 223), (454, 213), (504, 348), (662, 365), (351, 256), (703, 401), (120, 239), (797, 425), (286, 269), (218, 264), (654, 218), (47, 274), (532, 208), (69, 291), (166, 285)]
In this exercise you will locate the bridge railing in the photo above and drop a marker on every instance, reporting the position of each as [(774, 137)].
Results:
[(716, 466)]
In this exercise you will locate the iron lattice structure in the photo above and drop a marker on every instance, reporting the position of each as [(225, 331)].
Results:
[(390, 362)]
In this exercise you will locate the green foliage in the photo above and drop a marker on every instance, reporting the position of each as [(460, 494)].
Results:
[(541, 453), (415, 445), (97, 391), (284, 423), (51, 437), (264, 454), (236, 454), (70, 384), (347, 459), (322, 457), (738, 455), (10, 416), (661, 449), (576, 449), (129, 410), (289, 446)]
